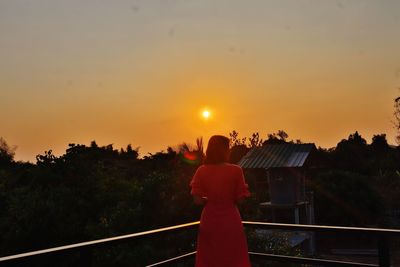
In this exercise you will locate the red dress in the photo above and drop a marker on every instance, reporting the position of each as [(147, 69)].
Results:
[(221, 241)]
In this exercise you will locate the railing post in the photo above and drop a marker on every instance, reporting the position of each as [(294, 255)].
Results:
[(383, 251)]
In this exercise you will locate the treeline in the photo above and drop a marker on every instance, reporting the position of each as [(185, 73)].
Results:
[(359, 183), (94, 192), (355, 183)]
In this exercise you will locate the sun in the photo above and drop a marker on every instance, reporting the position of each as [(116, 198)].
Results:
[(206, 114)]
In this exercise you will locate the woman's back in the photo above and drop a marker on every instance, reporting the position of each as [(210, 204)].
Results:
[(220, 183), (221, 240)]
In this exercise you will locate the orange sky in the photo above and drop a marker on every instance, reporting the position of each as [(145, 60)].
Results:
[(140, 72)]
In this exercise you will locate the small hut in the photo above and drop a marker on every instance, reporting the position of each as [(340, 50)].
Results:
[(284, 169)]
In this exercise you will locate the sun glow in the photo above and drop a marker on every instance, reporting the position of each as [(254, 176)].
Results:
[(206, 114)]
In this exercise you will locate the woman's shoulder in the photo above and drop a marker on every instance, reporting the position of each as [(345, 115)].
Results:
[(226, 166), (201, 168), (233, 166)]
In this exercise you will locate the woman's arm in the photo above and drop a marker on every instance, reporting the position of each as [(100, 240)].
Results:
[(198, 200), (197, 189), (242, 189)]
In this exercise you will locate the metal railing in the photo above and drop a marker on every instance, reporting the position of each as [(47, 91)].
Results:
[(382, 235)]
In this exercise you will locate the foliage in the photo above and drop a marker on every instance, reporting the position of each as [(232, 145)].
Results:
[(235, 140), (6, 153), (345, 198), (277, 138), (255, 140), (90, 193), (397, 118), (94, 192), (272, 242)]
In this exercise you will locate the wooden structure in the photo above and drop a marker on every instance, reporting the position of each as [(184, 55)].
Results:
[(282, 172)]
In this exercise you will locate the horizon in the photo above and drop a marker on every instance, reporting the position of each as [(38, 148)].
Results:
[(174, 147), (141, 73)]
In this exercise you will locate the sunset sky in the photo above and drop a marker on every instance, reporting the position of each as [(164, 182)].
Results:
[(141, 72)]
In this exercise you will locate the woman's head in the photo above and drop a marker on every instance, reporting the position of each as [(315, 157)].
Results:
[(217, 150)]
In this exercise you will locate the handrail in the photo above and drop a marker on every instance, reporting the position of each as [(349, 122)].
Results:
[(381, 233), (96, 242), (280, 258), (172, 259), (322, 228), (309, 261)]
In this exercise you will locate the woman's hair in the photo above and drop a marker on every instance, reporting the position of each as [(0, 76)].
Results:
[(217, 150)]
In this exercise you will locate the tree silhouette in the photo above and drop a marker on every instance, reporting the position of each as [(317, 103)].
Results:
[(379, 143), (235, 140), (6, 152), (276, 138), (352, 153), (255, 140), (96, 191), (397, 118)]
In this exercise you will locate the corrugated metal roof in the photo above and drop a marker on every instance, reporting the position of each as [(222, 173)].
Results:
[(277, 156)]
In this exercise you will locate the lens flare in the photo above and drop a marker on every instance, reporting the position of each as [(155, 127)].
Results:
[(192, 158)]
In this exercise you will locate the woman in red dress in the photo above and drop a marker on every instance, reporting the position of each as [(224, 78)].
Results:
[(220, 186)]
